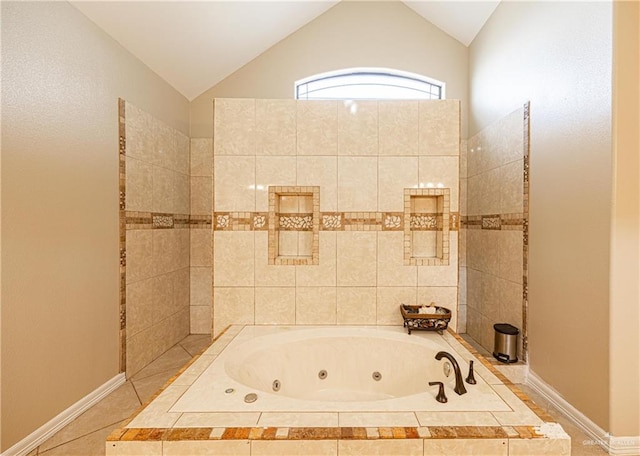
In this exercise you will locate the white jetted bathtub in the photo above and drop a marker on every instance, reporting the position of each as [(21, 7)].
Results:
[(351, 369)]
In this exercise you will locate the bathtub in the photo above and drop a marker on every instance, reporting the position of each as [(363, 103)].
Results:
[(202, 410), (349, 369)]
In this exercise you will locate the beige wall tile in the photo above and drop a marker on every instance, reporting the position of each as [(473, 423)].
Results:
[(461, 319), (234, 183), (324, 273), (391, 268), (463, 199), (232, 306), (510, 254), (196, 448), (473, 155), (183, 156), (287, 243), (442, 296), (492, 191), (139, 246), (462, 285), (394, 175), (397, 447), (139, 189), (315, 305), (388, 303), (512, 187), (474, 197), (141, 138), (490, 303), (165, 251), (357, 127), (317, 127), (356, 305), (139, 350), (357, 258), (181, 288), (234, 259), (200, 286), (218, 419), (512, 132), (322, 172), (474, 247), (293, 447), (270, 275), (511, 304), (201, 157), (484, 447), (275, 305), (463, 158), (139, 306), (275, 127), (234, 126), (474, 288), (441, 172), (272, 170), (162, 189), (490, 251), (200, 320), (462, 247), (201, 196), (357, 184), (439, 127), (181, 193), (398, 123), (163, 305), (200, 247), (182, 237), (165, 151)]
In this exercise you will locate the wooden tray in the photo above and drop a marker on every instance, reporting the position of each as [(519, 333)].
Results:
[(427, 322)]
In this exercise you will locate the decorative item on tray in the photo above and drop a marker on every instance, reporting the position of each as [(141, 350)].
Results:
[(427, 317)]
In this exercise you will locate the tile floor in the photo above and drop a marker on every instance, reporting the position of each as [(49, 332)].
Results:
[(86, 435)]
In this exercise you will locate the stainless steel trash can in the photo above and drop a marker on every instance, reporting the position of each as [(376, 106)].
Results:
[(505, 346)]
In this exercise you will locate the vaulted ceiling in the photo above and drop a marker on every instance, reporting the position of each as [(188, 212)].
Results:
[(195, 44)]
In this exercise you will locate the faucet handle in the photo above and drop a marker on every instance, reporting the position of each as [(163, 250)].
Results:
[(470, 378), (440, 397)]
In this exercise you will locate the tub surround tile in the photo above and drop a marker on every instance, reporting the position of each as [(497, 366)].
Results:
[(456, 419), (234, 178), (273, 171), (297, 447), (267, 275), (489, 447), (298, 419), (200, 319), (234, 259), (200, 420), (392, 271), (324, 273), (380, 447), (139, 185), (316, 305), (201, 195), (201, 158), (388, 303), (275, 305), (320, 171), (356, 305), (391, 419), (234, 306), (356, 258)]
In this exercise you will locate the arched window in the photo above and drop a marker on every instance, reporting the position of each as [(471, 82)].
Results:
[(368, 84)]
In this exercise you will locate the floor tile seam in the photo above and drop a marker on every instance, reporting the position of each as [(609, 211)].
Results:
[(109, 426)]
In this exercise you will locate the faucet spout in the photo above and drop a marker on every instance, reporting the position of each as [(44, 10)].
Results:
[(460, 389)]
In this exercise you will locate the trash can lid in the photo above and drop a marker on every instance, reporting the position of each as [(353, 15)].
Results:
[(506, 328)]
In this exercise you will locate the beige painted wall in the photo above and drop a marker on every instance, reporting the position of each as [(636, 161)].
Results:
[(624, 376), (61, 79), (558, 55), (351, 34)]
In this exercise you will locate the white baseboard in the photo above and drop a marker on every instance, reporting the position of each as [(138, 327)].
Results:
[(47, 430), (612, 445)]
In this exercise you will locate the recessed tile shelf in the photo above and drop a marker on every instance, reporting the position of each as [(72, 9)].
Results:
[(294, 225), (426, 226)]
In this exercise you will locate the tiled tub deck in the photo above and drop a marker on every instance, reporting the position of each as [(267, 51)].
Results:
[(520, 428)]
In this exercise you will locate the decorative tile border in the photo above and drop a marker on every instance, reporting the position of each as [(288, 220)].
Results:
[(329, 221), (525, 232), (136, 220), (122, 147), (493, 222)]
